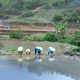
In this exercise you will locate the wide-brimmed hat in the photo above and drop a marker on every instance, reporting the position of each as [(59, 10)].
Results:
[(52, 49), (20, 48), (27, 50)]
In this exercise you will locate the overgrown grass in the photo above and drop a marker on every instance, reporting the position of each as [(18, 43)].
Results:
[(72, 38), (4, 36), (49, 36), (34, 37), (18, 34)]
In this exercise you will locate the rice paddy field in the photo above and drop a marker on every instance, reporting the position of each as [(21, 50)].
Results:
[(63, 68)]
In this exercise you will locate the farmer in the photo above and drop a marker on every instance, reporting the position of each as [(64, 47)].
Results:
[(20, 51), (51, 52), (28, 52), (38, 52)]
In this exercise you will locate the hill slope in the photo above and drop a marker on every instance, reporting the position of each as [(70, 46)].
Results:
[(34, 10)]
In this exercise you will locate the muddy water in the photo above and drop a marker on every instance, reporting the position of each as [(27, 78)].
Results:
[(63, 68), (60, 69), (11, 45)]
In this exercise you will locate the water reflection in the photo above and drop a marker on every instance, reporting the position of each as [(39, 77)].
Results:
[(33, 70), (54, 76)]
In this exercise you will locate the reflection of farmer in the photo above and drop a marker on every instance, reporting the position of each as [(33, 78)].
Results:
[(20, 51), (28, 52), (38, 52), (51, 52)]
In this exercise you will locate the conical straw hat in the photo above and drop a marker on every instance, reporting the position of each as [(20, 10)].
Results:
[(20, 48)]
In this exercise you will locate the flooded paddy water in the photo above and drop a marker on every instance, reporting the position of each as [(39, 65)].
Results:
[(63, 68), (10, 45)]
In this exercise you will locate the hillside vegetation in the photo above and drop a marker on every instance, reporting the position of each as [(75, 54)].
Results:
[(38, 10)]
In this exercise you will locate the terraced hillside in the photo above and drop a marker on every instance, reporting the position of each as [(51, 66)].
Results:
[(27, 28), (34, 10)]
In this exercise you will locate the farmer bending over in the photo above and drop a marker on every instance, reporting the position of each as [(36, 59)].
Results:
[(38, 50), (20, 51), (51, 52)]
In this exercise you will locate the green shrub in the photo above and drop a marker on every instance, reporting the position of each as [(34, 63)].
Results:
[(72, 39), (50, 36), (59, 3), (76, 49), (57, 17), (77, 38), (70, 16), (1, 15), (68, 39), (17, 4), (34, 37), (31, 5), (1, 5), (16, 34), (77, 42), (38, 37)]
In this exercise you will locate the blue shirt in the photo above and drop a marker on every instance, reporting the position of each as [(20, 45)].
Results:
[(38, 48)]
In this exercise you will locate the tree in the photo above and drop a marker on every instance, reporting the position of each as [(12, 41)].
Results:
[(16, 34), (60, 28), (0, 5), (18, 4), (57, 18)]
